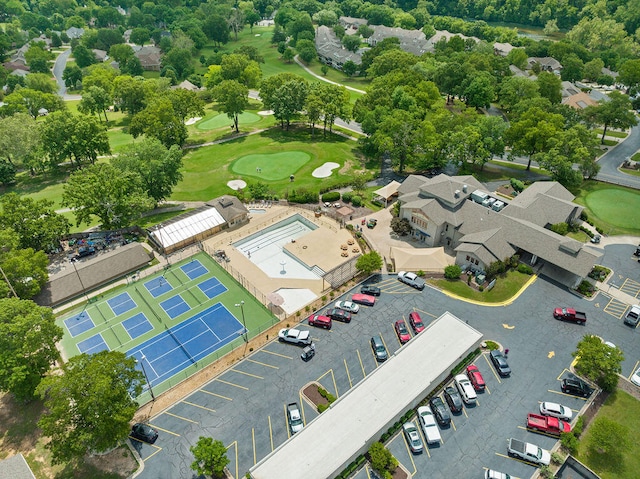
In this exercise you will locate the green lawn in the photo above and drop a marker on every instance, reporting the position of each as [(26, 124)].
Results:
[(623, 409), (221, 120), (207, 170), (613, 133), (506, 287), (615, 209), (271, 166)]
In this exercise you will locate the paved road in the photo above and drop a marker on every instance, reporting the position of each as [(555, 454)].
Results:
[(58, 69), (611, 161)]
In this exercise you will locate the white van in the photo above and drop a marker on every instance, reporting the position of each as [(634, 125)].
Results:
[(465, 388)]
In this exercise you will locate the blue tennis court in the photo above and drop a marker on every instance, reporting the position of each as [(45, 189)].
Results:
[(79, 323), (195, 338), (175, 306), (212, 287), (121, 304), (93, 345), (137, 325), (194, 269), (158, 286)]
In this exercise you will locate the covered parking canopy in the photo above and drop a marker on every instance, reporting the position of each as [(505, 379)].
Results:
[(388, 191), (416, 259)]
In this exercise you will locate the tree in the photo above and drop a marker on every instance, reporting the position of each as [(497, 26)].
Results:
[(160, 120), (349, 68), (35, 222), (614, 111), (453, 271), (289, 100), (20, 139), (479, 91), (140, 36), (369, 262), (550, 86), (95, 100), (233, 99), (101, 75), (381, 458), (25, 270), (33, 101), (241, 68), (532, 131), (398, 135), (181, 61), (288, 54), (252, 18), (608, 437), (83, 56), (72, 75), (117, 198), (351, 42), (107, 37), (121, 52), (216, 29), (90, 405), (28, 339), (598, 361), (210, 457), (572, 68), (129, 93), (593, 69), (401, 226), (80, 138), (186, 103), (629, 76), (157, 166), (336, 104), (41, 82), (236, 21)]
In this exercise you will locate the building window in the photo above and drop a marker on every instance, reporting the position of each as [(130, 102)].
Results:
[(467, 257)]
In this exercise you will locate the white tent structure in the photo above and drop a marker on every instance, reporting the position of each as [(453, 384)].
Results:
[(416, 259), (388, 191)]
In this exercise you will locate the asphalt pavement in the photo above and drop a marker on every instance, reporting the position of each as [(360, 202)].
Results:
[(611, 161)]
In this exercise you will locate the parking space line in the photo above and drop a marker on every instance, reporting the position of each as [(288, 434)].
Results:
[(286, 421), (453, 425), (270, 433), (384, 342), (559, 378), (635, 367), (214, 394), (275, 354), (230, 384), (198, 405), (364, 375), (246, 374), (158, 449), (425, 312), (253, 441), (180, 417), (262, 364), (486, 388), (493, 370), (235, 443), (335, 386), (422, 437), (464, 410), (406, 445), (165, 430), (348, 375), (567, 395), (304, 419)]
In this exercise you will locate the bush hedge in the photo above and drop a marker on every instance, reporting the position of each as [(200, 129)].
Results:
[(346, 196), (356, 201), (331, 197)]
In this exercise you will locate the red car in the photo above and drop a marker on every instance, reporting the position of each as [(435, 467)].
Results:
[(320, 321), (365, 299), (416, 322), (402, 331), (475, 377)]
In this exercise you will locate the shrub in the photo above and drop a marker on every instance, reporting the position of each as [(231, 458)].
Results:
[(346, 196), (356, 200), (322, 408), (570, 442), (453, 271), (584, 216), (331, 197), (377, 203), (395, 209), (303, 195), (599, 230), (517, 185), (381, 458), (586, 288), (400, 226), (545, 472), (579, 427), (525, 268), (556, 458), (560, 228), (481, 288), (491, 345)]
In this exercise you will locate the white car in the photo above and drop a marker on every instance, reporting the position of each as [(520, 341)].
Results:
[(556, 410), (429, 426), (635, 378), (465, 388), (413, 437), (491, 474), (347, 306)]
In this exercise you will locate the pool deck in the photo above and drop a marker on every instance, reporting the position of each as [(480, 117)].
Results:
[(321, 247)]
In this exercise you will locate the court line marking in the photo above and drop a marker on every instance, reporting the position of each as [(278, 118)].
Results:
[(180, 417), (246, 374), (198, 405), (231, 384), (348, 375), (216, 395), (262, 364)]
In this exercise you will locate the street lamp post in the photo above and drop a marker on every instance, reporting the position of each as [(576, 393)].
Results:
[(241, 306), (84, 290), (144, 371)]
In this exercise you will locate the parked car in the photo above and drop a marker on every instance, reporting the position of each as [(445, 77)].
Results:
[(500, 362), (549, 425), (491, 474), (84, 251), (402, 331), (429, 426), (413, 437), (475, 376), (338, 315), (596, 239), (466, 390), (365, 299), (576, 387), (294, 418), (144, 433), (452, 396), (570, 314), (528, 452), (556, 410), (370, 290), (347, 306), (416, 322), (635, 377), (320, 321), (294, 336), (440, 411), (308, 352), (633, 316), (411, 279), (379, 349)]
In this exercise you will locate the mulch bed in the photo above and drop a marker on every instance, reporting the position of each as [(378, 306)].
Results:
[(399, 473), (312, 394), (506, 190)]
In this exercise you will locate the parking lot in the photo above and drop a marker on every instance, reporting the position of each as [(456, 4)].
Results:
[(245, 406)]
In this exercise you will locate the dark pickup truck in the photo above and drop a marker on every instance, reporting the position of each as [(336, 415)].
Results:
[(569, 314)]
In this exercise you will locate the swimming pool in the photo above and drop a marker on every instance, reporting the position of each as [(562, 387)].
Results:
[(265, 249)]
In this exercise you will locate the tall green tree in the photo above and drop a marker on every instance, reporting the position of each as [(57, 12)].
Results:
[(598, 361), (34, 101), (20, 139), (289, 100), (90, 404), (186, 103), (95, 101), (129, 93), (28, 339), (337, 104), (239, 67), (116, 197), (72, 75), (399, 135), (609, 437), (25, 270), (614, 113), (550, 87), (83, 56), (180, 60), (368, 263), (629, 76), (160, 120), (233, 99), (157, 166), (41, 82), (210, 457), (516, 89), (216, 29)]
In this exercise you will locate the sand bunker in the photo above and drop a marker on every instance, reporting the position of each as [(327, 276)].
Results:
[(191, 121), (325, 170), (237, 184), (265, 112)]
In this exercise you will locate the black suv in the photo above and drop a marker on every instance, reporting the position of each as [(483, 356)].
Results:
[(144, 433), (576, 386), (440, 411), (452, 396), (338, 315), (372, 290)]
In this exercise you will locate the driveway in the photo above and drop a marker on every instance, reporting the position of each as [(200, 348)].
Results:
[(612, 159), (58, 69)]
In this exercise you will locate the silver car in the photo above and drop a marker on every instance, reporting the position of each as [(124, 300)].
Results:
[(556, 410), (491, 474), (413, 437)]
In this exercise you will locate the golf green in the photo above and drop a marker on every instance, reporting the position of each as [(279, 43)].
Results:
[(271, 166), (222, 120), (616, 207)]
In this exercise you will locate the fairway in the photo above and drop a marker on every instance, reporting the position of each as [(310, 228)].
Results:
[(620, 208), (222, 120), (272, 166)]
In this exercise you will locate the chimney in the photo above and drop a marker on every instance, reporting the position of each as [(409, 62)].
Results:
[(457, 193), (464, 188)]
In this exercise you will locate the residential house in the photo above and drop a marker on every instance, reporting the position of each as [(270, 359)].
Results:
[(442, 212), (547, 64), (412, 41), (351, 24), (74, 32), (516, 72), (186, 85), (502, 49), (101, 55), (330, 49), (440, 34), (150, 57)]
